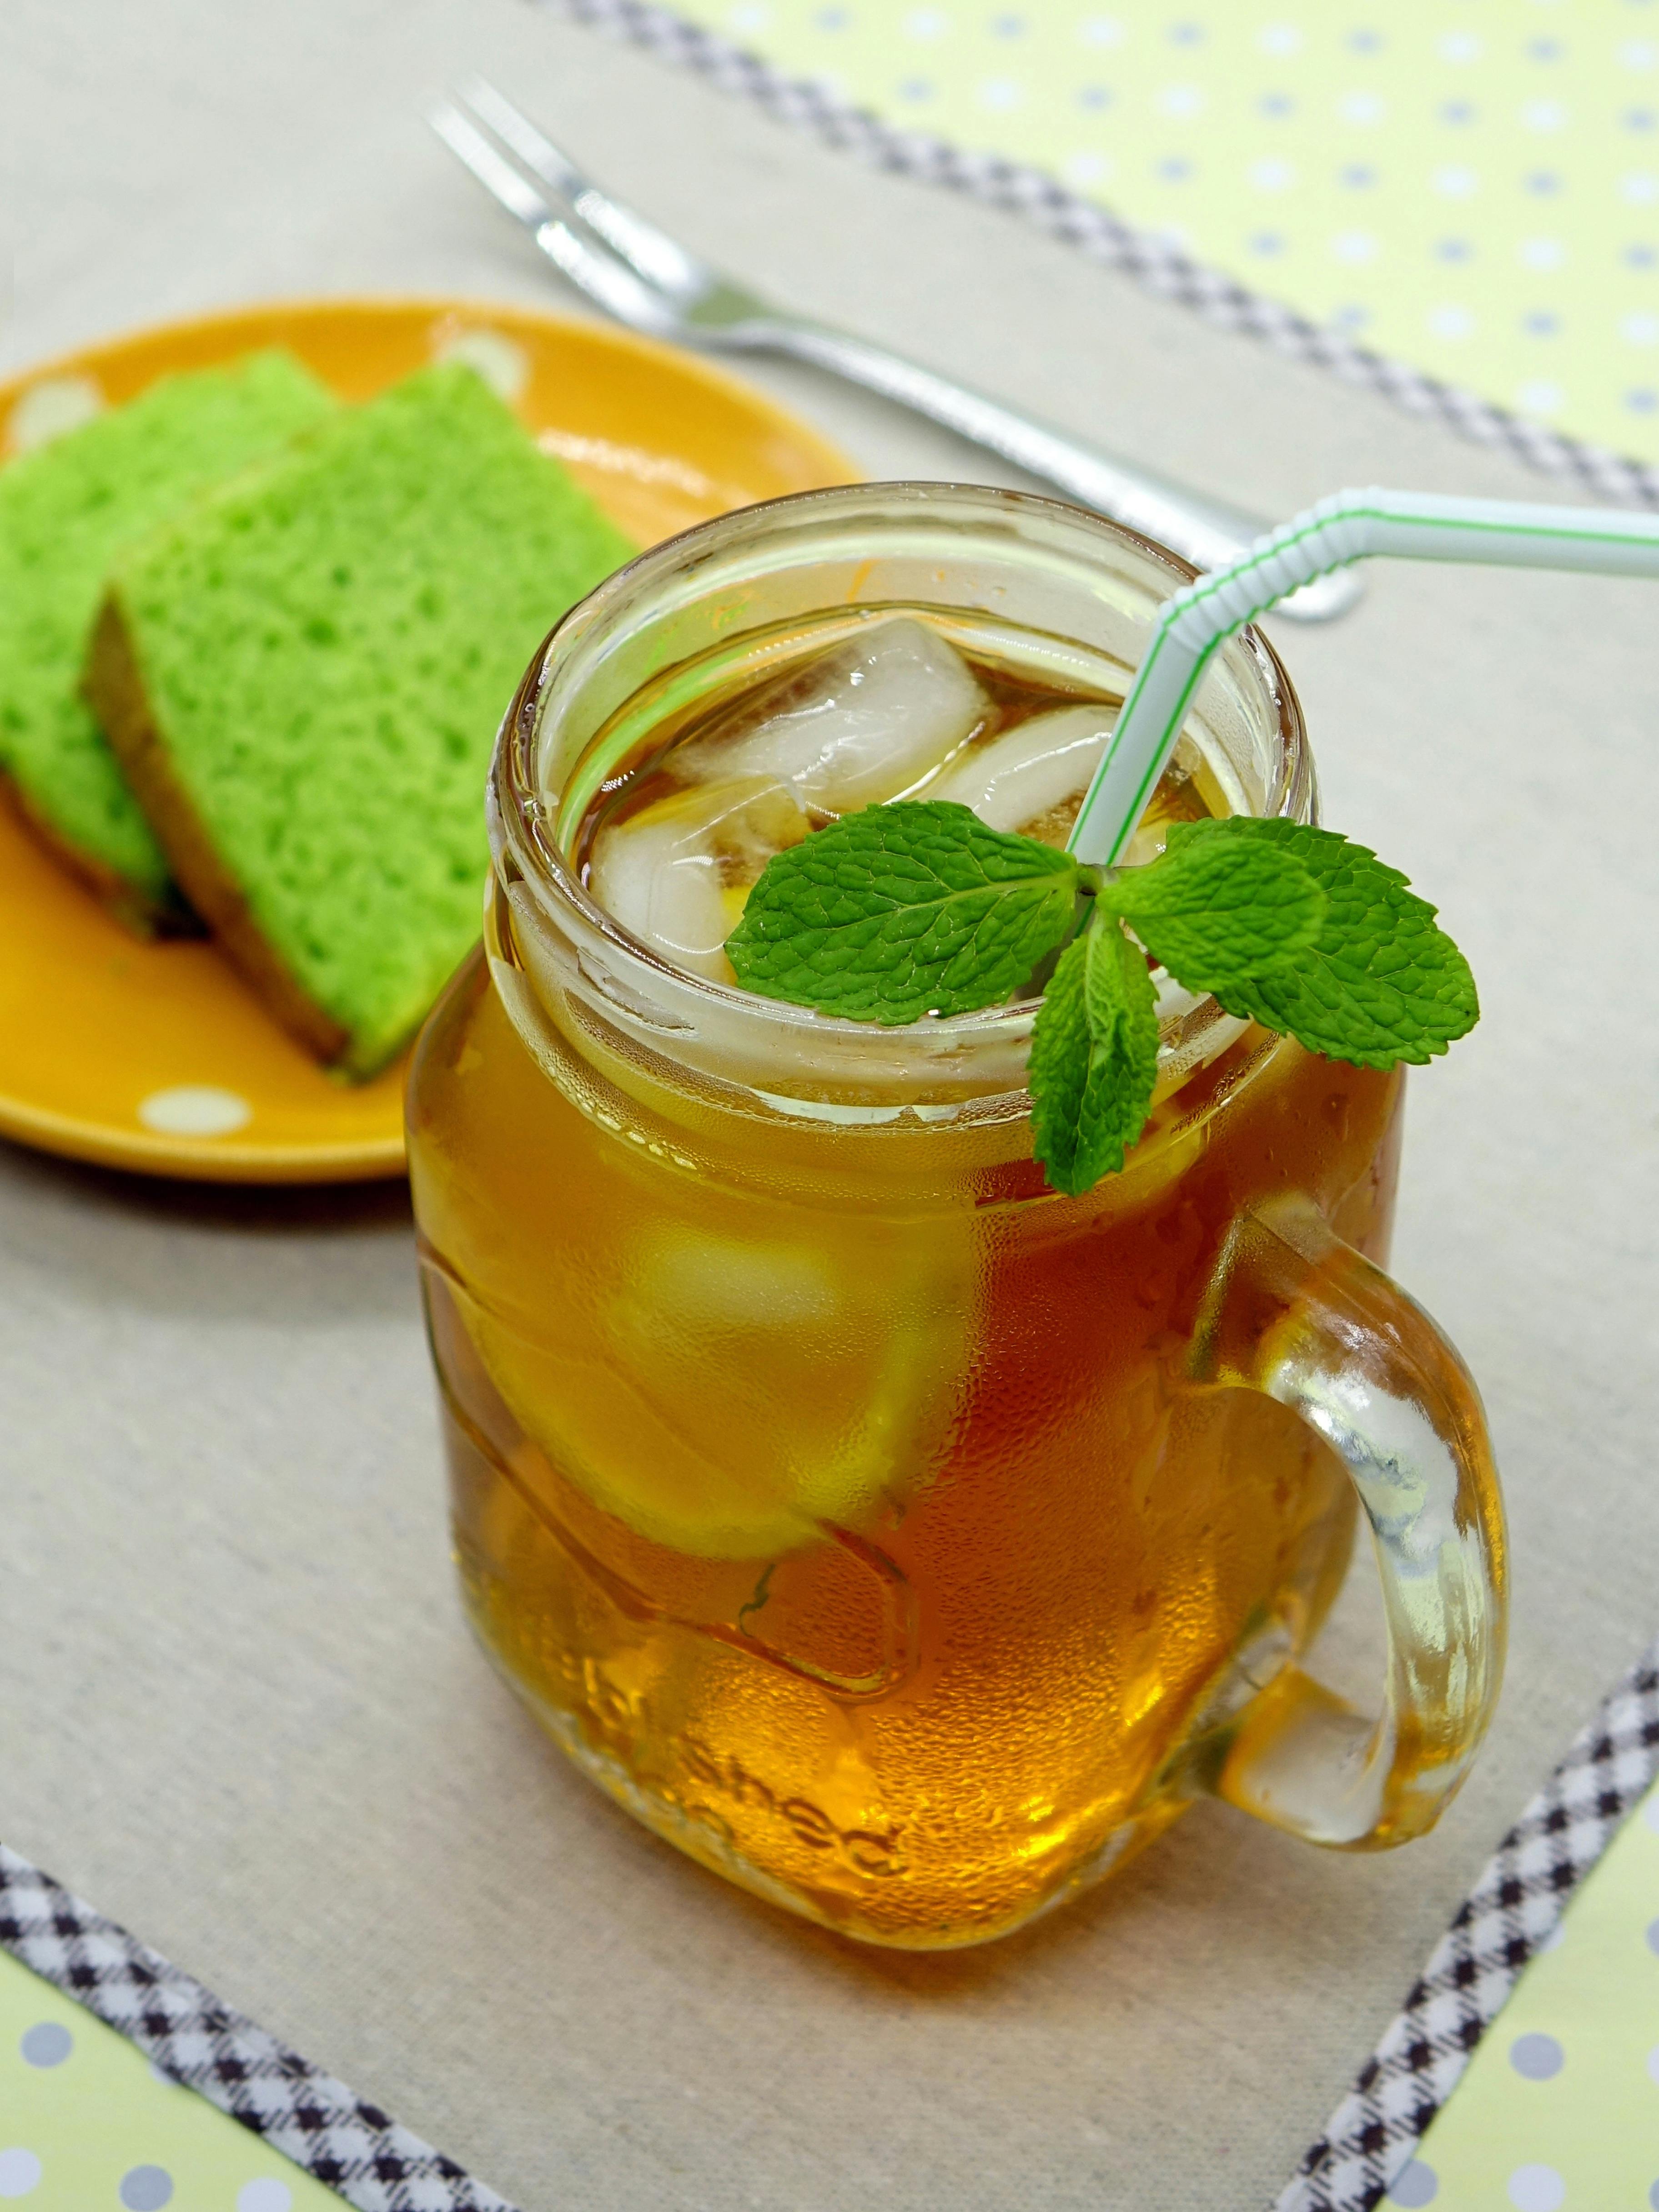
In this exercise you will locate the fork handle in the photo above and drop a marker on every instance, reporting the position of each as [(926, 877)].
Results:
[(1207, 531)]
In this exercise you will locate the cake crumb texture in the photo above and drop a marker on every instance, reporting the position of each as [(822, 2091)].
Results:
[(324, 652), (66, 511)]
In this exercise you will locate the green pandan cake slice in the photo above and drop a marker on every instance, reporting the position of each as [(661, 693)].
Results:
[(66, 511), (303, 678)]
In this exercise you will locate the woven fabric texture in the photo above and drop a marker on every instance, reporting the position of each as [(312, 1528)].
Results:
[(313, 2119)]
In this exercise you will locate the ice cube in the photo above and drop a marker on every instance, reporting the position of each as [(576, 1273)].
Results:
[(1039, 768), (1178, 798), (677, 873), (865, 721)]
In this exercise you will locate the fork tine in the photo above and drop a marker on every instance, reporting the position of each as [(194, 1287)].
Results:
[(586, 260), (499, 178), (514, 128), (651, 252)]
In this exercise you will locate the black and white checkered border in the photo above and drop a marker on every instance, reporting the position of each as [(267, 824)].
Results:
[(1154, 261), (1505, 1921), (313, 2119)]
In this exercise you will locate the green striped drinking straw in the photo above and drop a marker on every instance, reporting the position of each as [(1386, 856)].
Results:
[(1350, 526)]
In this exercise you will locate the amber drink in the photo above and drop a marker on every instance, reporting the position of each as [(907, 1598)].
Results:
[(898, 1538)]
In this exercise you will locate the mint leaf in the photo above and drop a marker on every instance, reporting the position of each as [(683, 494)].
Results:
[(1094, 1058), (1380, 983), (1216, 906), (903, 910)]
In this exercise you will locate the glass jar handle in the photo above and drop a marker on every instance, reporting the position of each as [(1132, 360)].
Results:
[(1300, 1316)]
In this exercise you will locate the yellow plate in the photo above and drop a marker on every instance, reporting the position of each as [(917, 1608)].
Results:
[(154, 1056)]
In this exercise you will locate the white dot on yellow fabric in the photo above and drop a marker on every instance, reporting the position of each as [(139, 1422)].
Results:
[(1536, 2188), (1182, 101), (264, 2195), (1537, 2057), (1100, 31), (1271, 141), (19, 2171), (1417, 2184), (87, 2124)]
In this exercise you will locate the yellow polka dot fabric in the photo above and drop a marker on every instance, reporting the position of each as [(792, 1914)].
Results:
[(1558, 2110), (87, 2124), (1469, 186)]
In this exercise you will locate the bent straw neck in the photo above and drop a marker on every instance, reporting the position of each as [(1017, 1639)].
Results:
[(1347, 526)]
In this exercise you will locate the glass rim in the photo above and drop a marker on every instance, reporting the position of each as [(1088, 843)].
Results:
[(519, 821)]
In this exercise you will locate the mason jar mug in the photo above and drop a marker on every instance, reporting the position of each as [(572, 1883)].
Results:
[(902, 1540)]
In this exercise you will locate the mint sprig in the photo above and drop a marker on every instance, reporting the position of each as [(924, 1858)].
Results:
[(1378, 982), (903, 910), (918, 908), (1094, 1057)]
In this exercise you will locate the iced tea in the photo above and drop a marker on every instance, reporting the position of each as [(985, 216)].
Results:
[(848, 1504)]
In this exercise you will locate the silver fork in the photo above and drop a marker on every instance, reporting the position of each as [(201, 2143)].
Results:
[(649, 281)]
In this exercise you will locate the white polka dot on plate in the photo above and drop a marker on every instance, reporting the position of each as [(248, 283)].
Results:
[(501, 362), (263, 2195), (194, 1109), (46, 410), (1537, 2189), (20, 2173)]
